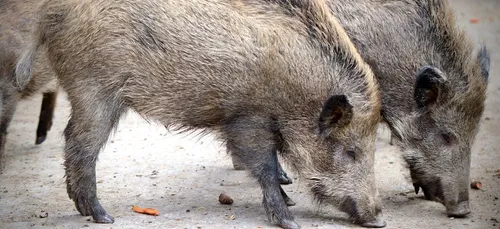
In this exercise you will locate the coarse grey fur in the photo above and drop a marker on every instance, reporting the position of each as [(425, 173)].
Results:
[(433, 87), (265, 76)]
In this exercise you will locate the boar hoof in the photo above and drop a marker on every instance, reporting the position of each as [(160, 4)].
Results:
[(378, 223), (104, 218), (284, 179), (289, 202), (95, 209), (289, 224), (40, 139), (417, 188)]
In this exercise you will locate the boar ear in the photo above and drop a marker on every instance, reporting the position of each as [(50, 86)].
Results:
[(337, 111), (429, 86), (484, 62)]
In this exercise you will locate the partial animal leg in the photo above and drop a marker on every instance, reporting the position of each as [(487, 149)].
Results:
[(256, 143), (93, 118), (46, 116), (8, 104), (239, 164)]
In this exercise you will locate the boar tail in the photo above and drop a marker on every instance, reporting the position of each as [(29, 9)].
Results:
[(24, 66)]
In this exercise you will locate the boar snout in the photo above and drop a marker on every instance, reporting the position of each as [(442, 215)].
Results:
[(377, 223), (366, 214), (460, 210), (455, 200)]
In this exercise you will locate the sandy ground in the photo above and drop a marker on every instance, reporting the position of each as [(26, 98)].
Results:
[(183, 175)]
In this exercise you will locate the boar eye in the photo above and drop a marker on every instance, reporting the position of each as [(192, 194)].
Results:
[(351, 154), (448, 138)]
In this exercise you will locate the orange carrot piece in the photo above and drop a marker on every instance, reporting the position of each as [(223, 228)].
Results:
[(148, 211)]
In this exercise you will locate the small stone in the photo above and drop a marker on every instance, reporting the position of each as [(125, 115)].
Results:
[(225, 199)]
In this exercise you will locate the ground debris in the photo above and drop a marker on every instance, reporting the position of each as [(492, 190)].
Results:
[(476, 185), (225, 199), (230, 217), (148, 211)]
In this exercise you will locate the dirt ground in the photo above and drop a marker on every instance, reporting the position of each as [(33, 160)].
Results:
[(183, 175)]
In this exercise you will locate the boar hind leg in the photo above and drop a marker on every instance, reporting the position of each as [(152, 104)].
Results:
[(256, 144), (88, 129), (8, 106), (46, 115), (239, 164)]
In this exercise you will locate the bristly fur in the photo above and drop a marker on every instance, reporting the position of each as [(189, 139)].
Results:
[(422, 34), (255, 72), (326, 29)]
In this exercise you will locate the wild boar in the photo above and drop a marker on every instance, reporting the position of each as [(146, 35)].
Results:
[(433, 86), (18, 20), (265, 76)]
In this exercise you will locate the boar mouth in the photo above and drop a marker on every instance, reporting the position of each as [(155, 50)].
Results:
[(350, 206), (431, 186), (432, 190)]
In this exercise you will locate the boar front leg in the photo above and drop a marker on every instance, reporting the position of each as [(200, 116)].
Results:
[(8, 102), (282, 177), (46, 115), (88, 129), (239, 164), (255, 143)]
